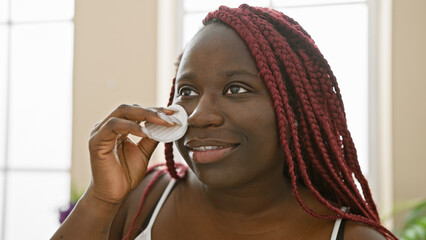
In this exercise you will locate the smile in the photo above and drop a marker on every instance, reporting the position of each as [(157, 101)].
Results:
[(207, 148)]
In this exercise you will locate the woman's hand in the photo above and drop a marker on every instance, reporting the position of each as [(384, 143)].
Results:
[(118, 164)]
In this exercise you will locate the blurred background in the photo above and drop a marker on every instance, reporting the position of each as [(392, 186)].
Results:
[(66, 64)]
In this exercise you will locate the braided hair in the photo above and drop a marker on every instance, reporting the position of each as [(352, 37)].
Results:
[(319, 151)]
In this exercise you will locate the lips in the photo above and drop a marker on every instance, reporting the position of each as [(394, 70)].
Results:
[(209, 151), (208, 148)]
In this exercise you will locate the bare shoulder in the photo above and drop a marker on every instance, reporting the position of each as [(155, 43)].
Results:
[(130, 206), (356, 231)]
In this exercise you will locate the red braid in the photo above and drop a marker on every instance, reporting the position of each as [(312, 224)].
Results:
[(177, 171), (310, 115), (309, 109), (334, 99), (168, 147), (303, 171)]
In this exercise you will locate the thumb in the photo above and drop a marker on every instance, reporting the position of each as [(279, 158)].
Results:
[(136, 159), (147, 146)]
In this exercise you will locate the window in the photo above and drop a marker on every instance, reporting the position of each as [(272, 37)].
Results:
[(340, 29), (36, 46)]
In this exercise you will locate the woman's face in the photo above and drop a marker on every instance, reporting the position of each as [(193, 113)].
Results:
[(232, 135)]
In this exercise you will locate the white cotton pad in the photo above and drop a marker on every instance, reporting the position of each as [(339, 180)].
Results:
[(169, 134)]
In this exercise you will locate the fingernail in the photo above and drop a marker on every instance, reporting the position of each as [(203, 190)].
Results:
[(169, 110), (175, 120), (165, 118)]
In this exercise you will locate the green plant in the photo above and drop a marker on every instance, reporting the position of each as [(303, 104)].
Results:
[(415, 223), (76, 194), (414, 226)]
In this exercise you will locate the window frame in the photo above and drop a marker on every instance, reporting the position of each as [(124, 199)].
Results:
[(379, 83), (6, 170)]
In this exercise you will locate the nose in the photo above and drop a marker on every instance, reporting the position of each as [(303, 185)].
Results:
[(206, 114)]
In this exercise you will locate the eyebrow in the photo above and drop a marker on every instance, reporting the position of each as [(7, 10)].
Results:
[(187, 76), (228, 74)]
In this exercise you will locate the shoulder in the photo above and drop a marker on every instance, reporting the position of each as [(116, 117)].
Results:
[(128, 209), (356, 231)]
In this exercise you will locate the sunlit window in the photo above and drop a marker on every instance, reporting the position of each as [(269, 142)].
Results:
[(36, 46), (340, 29)]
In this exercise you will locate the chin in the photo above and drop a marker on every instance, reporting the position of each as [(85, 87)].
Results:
[(217, 177)]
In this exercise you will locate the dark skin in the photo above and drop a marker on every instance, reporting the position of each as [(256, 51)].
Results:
[(242, 194)]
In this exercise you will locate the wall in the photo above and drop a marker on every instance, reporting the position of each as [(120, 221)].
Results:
[(114, 63), (409, 99)]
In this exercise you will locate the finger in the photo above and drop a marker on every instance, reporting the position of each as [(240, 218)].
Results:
[(147, 146), (117, 127), (95, 128), (164, 114), (136, 161), (136, 113), (97, 124), (170, 119), (123, 161), (163, 110)]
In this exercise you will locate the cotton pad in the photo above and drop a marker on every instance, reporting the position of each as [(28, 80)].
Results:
[(169, 134)]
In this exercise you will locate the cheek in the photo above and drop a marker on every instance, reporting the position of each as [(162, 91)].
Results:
[(183, 152), (259, 115), (180, 146), (265, 129), (259, 125)]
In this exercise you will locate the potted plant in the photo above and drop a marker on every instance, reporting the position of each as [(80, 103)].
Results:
[(75, 196)]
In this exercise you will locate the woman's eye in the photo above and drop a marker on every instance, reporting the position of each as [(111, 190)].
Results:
[(236, 90), (186, 92)]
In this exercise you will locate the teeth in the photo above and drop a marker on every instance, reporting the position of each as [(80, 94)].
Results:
[(206, 148)]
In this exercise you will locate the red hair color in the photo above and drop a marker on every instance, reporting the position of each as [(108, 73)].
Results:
[(319, 150)]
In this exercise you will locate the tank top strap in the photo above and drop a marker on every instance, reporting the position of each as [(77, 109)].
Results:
[(146, 234), (337, 229), (161, 202)]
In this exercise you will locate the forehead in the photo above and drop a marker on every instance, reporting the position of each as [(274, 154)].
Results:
[(216, 45)]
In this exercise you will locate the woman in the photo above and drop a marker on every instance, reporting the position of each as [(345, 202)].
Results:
[(267, 145)]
